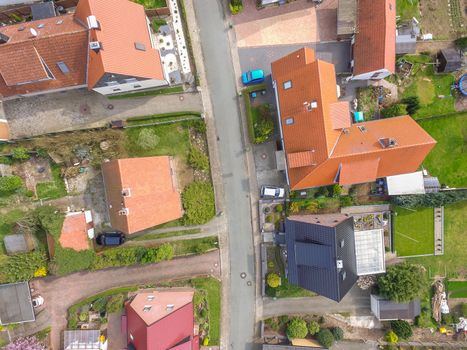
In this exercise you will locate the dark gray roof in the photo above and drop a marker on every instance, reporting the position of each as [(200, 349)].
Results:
[(314, 245), (406, 44), (15, 244), (15, 303), (385, 309), (346, 17), (43, 10)]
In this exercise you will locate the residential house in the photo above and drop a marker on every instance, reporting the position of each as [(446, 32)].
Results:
[(77, 231), (374, 42), (141, 193), (387, 310), (161, 320), (320, 143), (90, 48), (15, 303)]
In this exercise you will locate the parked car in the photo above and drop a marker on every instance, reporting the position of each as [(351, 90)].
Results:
[(112, 238), (37, 301), (253, 77), (272, 192)]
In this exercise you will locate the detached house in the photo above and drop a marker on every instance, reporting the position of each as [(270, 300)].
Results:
[(105, 46), (320, 143)]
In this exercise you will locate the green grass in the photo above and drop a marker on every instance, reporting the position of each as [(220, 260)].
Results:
[(407, 9), (194, 246), (54, 189), (162, 91), (414, 231), (7, 221), (173, 139), (287, 290), (151, 4), (157, 23), (457, 289), (213, 290), (448, 160), (160, 118), (454, 260), (166, 234)]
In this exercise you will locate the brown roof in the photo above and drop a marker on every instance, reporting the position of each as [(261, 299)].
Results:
[(375, 36), (332, 149), (152, 198), (29, 64), (120, 28), (74, 233)]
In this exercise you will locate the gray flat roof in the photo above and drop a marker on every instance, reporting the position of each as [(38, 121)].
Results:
[(15, 303), (15, 244)]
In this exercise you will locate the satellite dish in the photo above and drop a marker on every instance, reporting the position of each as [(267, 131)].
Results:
[(33, 32)]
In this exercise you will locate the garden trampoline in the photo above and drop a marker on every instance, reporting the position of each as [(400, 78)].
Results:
[(462, 85)]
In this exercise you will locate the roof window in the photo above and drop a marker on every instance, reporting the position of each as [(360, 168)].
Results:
[(343, 275), (63, 67), (92, 22), (340, 264), (287, 84), (310, 105), (289, 121), (140, 46), (147, 308), (342, 243), (40, 26), (170, 307), (362, 128), (4, 38), (150, 297)]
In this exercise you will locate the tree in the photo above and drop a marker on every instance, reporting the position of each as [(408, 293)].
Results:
[(164, 252), (412, 103), (325, 338), (9, 184), (461, 43), (313, 327), (296, 328), (402, 328), (435, 199), (337, 333), (273, 280), (402, 282), (20, 153), (391, 337), (28, 343), (394, 110)]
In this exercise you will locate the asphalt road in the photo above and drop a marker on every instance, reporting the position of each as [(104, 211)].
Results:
[(221, 83)]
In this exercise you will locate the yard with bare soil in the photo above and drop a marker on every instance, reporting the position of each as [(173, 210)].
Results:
[(445, 19)]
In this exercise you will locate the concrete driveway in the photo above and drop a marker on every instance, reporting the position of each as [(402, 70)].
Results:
[(79, 109), (62, 292)]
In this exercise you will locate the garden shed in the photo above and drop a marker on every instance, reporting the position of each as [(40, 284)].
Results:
[(15, 243), (387, 310), (449, 60), (411, 183)]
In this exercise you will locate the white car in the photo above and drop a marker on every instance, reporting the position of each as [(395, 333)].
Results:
[(272, 192), (37, 301)]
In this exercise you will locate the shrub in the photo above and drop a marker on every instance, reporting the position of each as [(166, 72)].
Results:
[(402, 282), (41, 272), (6, 160), (9, 184), (461, 42), (264, 128), (205, 341), (115, 303), (269, 218), (394, 110), (436, 199), (296, 328), (279, 208), (391, 337), (402, 329), (273, 280), (325, 338), (446, 319), (21, 267), (20, 153), (336, 190), (313, 327), (346, 201), (273, 323), (147, 139), (99, 305), (198, 160), (412, 103), (236, 6), (294, 207), (337, 333), (83, 317), (311, 206), (198, 202)]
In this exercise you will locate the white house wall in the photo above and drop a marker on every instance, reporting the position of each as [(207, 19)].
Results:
[(129, 87)]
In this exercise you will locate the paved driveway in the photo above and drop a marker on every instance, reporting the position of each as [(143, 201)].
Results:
[(78, 109), (62, 292)]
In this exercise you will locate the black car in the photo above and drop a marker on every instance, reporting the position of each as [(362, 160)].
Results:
[(113, 238)]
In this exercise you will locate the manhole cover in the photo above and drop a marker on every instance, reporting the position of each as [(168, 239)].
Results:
[(249, 283), (264, 156), (110, 106), (243, 275)]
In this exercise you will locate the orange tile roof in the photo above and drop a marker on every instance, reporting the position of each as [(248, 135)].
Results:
[(375, 36), (340, 114), (358, 171), (24, 58), (74, 233), (335, 148), (153, 198), (122, 24)]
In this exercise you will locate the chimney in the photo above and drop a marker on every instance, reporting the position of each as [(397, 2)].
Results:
[(4, 38), (387, 142)]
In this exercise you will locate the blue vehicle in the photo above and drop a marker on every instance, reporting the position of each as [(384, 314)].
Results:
[(253, 77)]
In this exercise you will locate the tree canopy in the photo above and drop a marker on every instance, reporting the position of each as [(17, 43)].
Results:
[(297, 328)]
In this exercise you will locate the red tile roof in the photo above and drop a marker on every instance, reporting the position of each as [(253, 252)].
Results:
[(152, 195), (74, 233), (122, 24), (315, 130), (4, 130), (375, 36), (340, 114)]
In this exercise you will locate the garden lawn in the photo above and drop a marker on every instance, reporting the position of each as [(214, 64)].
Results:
[(407, 9), (7, 221), (163, 91), (152, 4), (170, 139), (194, 246), (453, 262), (414, 231), (457, 289), (53, 189), (167, 234), (448, 160)]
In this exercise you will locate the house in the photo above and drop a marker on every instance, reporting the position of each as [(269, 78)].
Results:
[(89, 48), (320, 143), (449, 60), (374, 42), (161, 320), (321, 253), (141, 193), (387, 310), (83, 339), (15, 303), (77, 231)]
